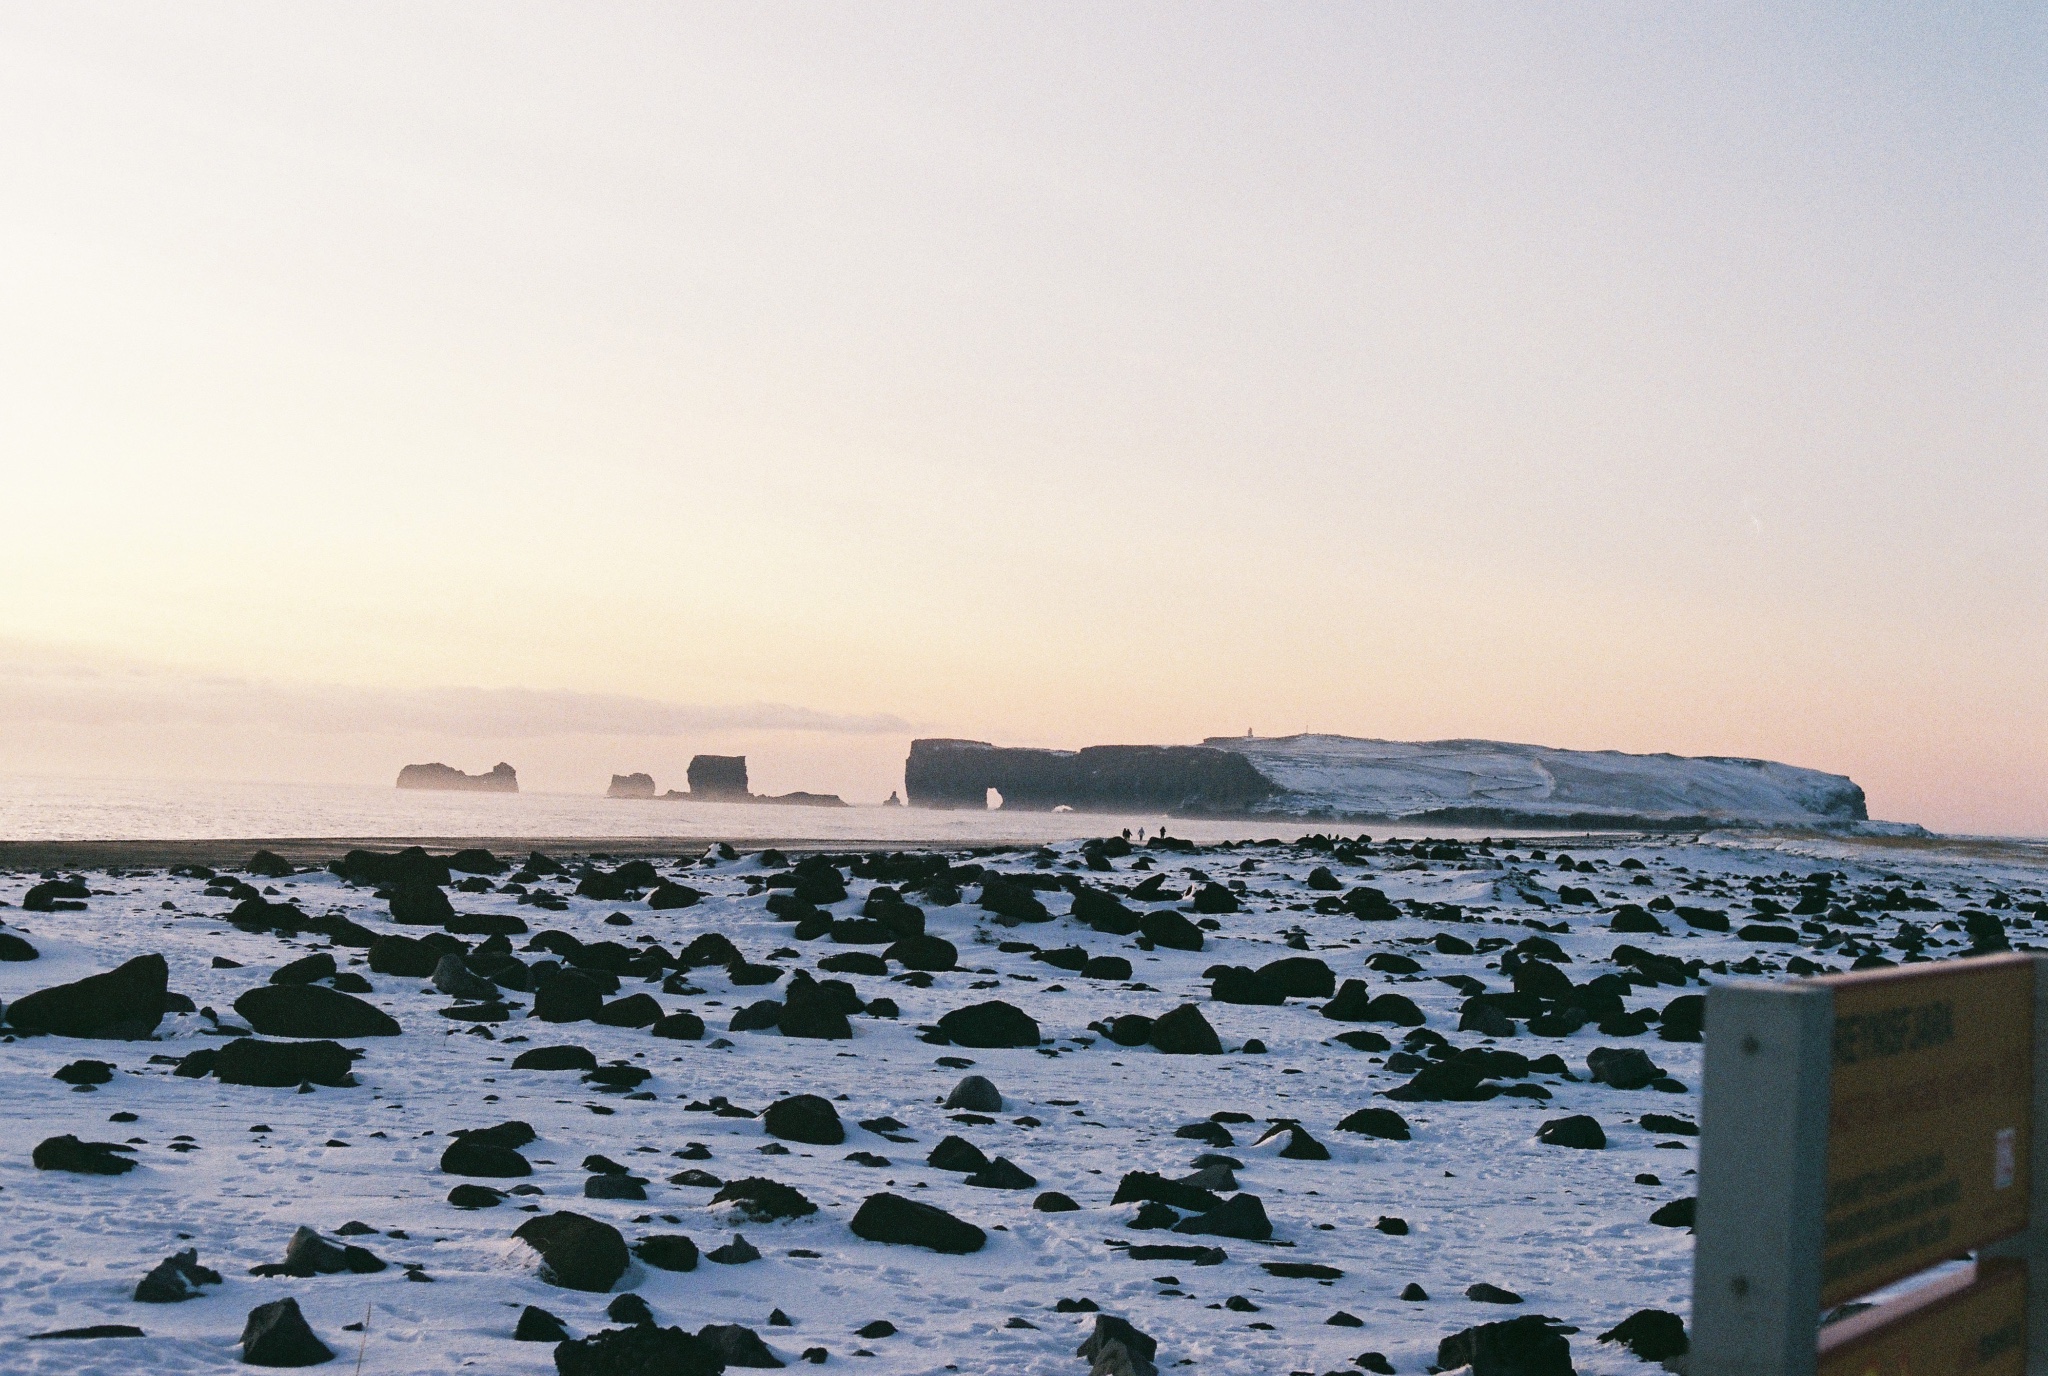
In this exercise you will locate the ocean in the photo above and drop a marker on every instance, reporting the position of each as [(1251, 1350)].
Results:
[(45, 809)]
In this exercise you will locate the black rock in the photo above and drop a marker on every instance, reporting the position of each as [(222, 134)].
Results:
[(276, 1334), (1240, 1216), (736, 1345), (668, 895), (1654, 1335), (1394, 1008), (420, 905), (567, 996), (577, 1253), (1624, 1067), (1053, 1202), (85, 1073), (738, 1252), (267, 864), (1185, 1032), (308, 1254), (1002, 1174), (90, 1331), (1104, 913), (475, 1197), (1580, 1130), (634, 1010), (641, 1350), (278, 1010), (629, 1308), (1529, 1345), (891, 1218), (976, 1094), (925, 952), (682, 1026), (1213, 898), (1169, 929), (1301, 977), (1240, 984), (537, 1325), (759, 1016), (1351, 1004), (667, 1252), (1116, 1348), (764, 1201), (13, 948), (855, 963), (1383, 1123), (804, 1118), (304, 970), (279, 1065), (1152, 1214), (555, 1058), (1145, 1185), (1300, 1145), (177, 1277), (1684, 1019), (409, 866), (1127, 1029), (125, 1003), (991, 1024), (811, 1015), (1679, 1213), (1483, 1293), (477, 1156), (67, 1153), (956, 1154), (411, 957), (56, 896)]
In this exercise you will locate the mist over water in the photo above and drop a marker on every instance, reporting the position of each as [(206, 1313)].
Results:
[(41, 809)]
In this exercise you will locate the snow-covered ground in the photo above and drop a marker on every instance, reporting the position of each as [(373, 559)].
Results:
[(1348, 776), (232, 1170)]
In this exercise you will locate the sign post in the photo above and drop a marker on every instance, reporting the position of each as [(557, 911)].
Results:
[(1858, 1130)]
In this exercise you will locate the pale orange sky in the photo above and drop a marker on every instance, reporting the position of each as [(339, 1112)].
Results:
[(1602, 377)]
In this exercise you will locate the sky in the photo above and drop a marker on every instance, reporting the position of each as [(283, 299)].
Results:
[(587, 386)]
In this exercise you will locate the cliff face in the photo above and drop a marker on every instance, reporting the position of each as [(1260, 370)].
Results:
[(1492, 783), (719, 778), (503, 779), (1184, 779), (1461, 783)]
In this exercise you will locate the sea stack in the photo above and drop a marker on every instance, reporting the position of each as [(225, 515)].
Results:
[(719, 778), (631, 786), (503, 779)]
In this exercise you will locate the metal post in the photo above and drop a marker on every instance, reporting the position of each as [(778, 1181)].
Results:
[(2031, 1246), (1763, 1179)]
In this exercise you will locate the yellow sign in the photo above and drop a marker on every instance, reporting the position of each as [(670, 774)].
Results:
[(1930, 1119), (1966, 1324)]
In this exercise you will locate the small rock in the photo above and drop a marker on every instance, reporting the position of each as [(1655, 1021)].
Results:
[(1580, 1130), (890, 1218), (804, 1118), (177, 1277), (738, 1252), (976, 1094), (276, 1334), (537, 1325)]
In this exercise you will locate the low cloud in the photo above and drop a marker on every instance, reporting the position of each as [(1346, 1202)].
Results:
[(42, 685)]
